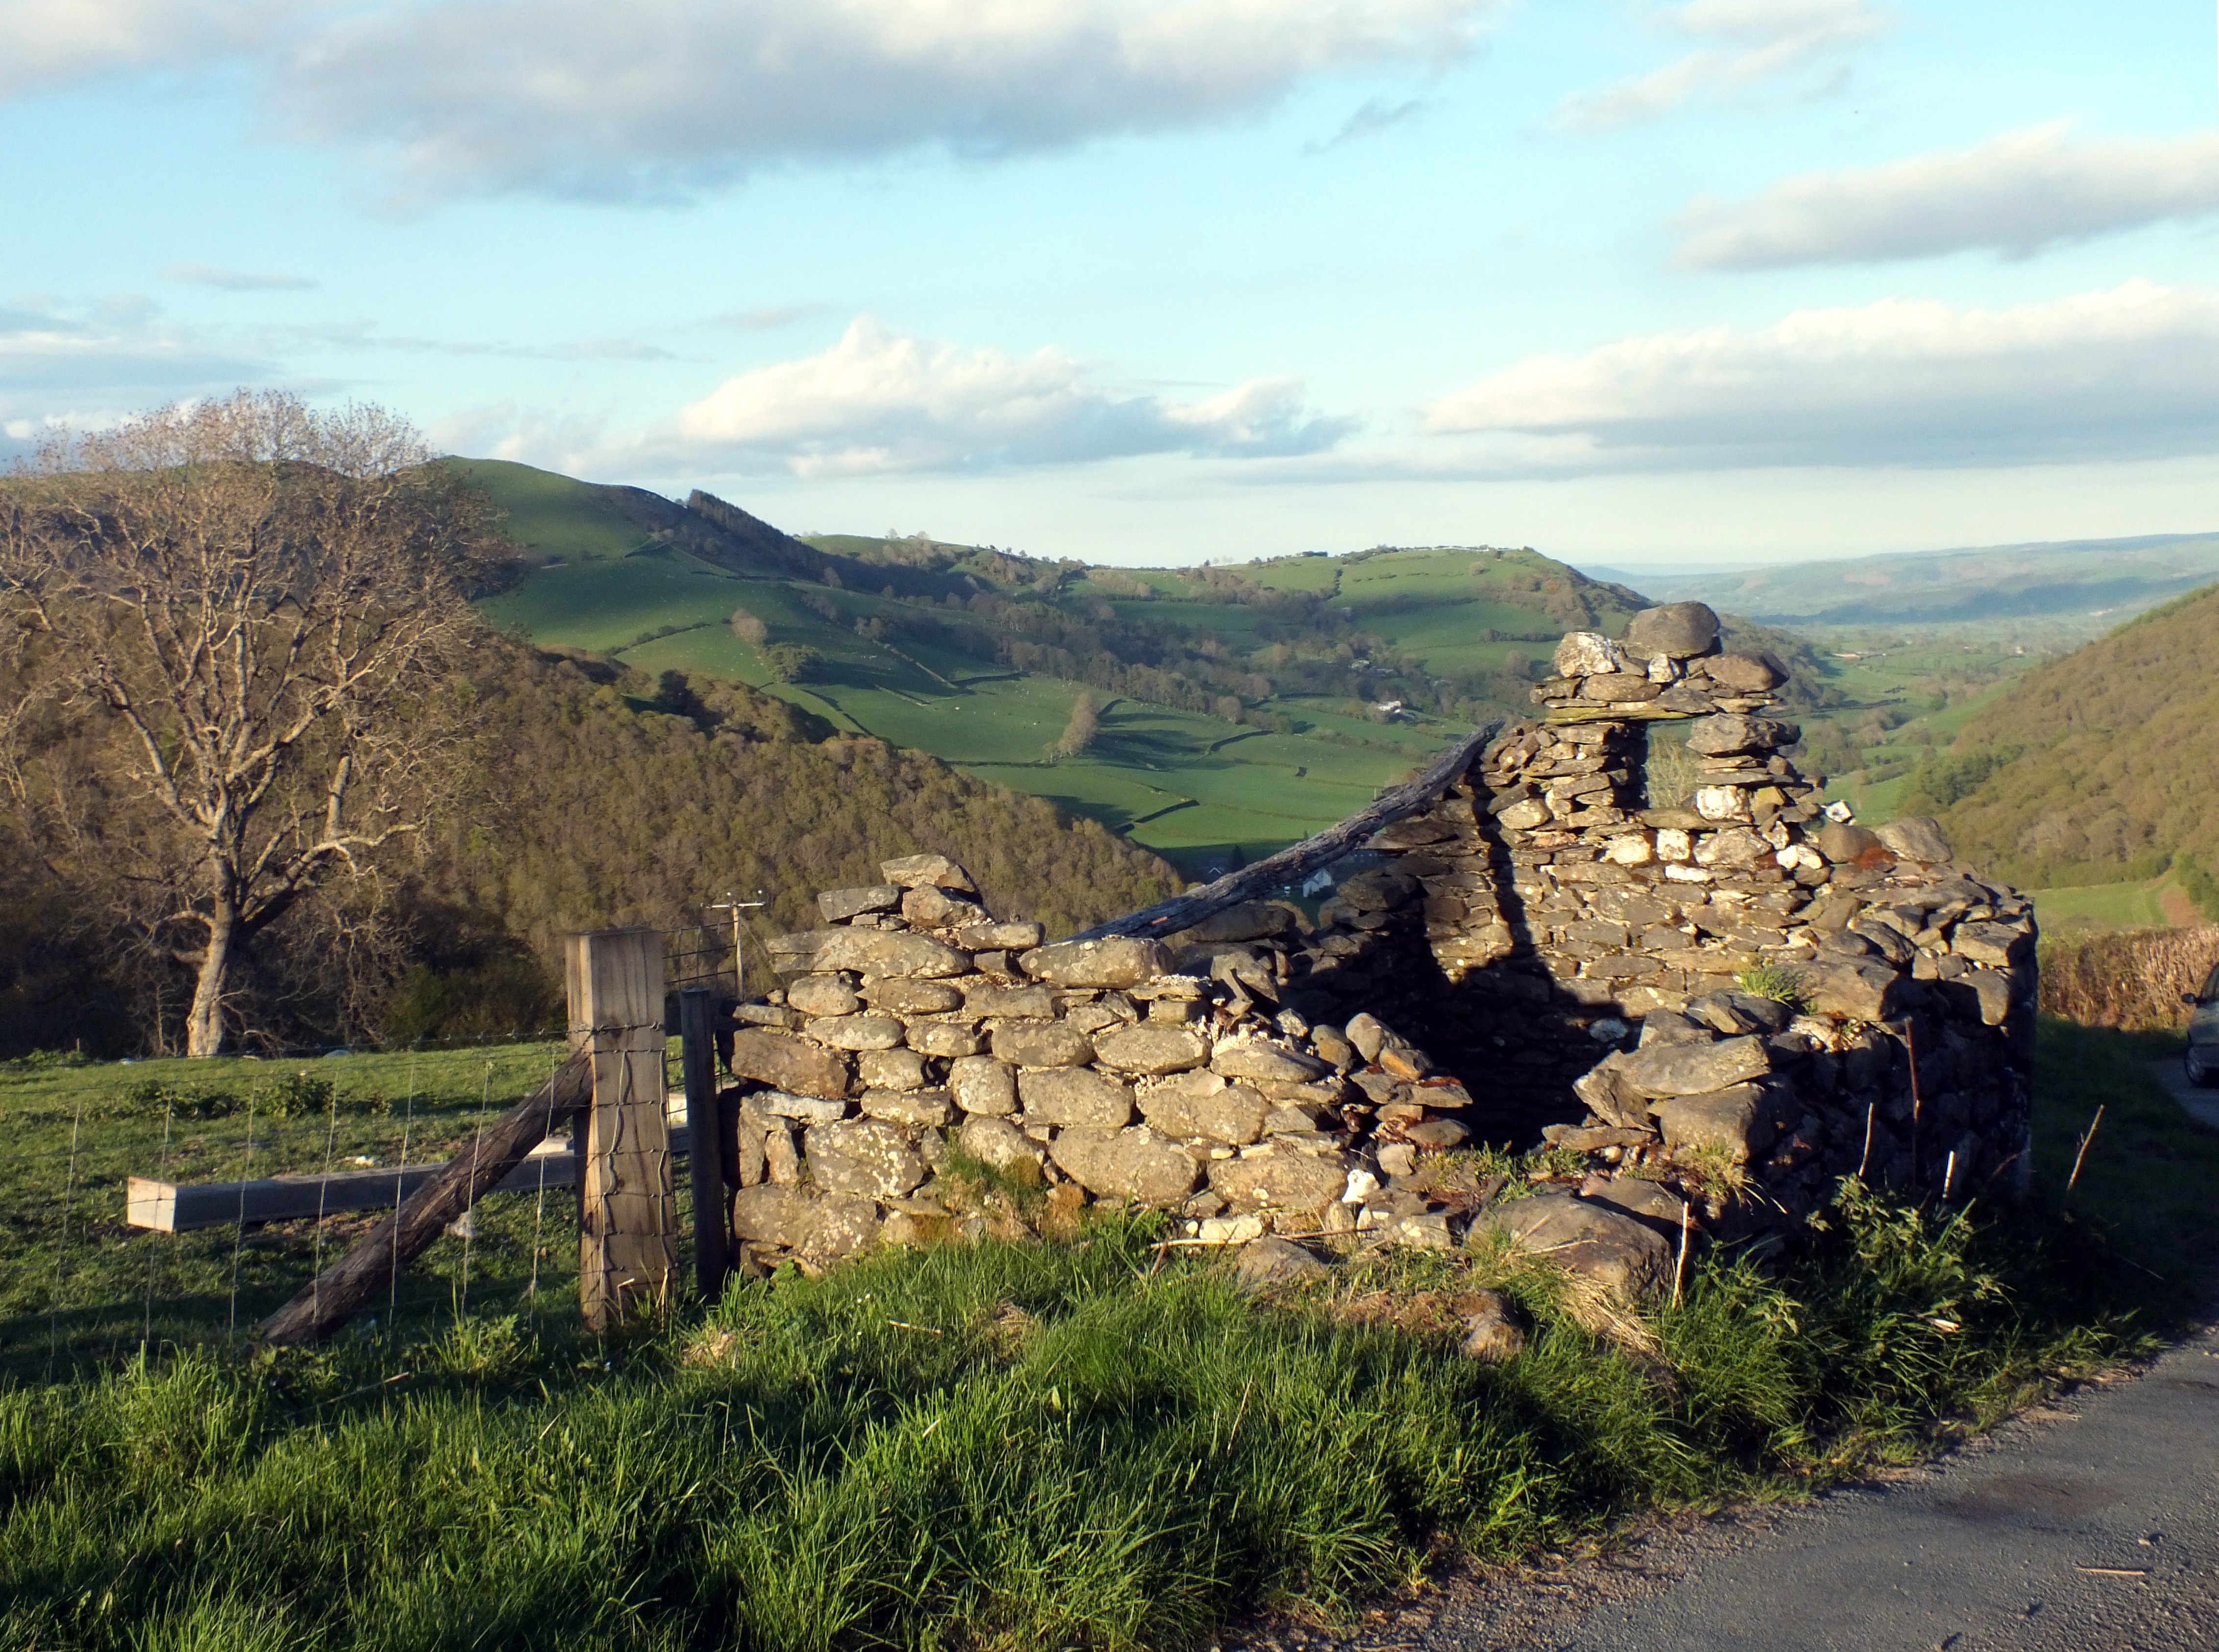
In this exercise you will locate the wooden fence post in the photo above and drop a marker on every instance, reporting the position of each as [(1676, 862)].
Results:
[(712, 1236), (627, 1232)]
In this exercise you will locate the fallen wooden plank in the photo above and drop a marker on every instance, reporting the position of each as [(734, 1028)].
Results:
[(181, 1207), (1292, 864), (359, 1277)]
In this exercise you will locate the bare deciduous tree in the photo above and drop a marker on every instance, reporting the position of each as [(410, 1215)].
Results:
[(254, 606)]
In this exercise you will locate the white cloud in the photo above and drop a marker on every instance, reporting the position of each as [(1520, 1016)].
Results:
[(1773, 48), (880, 402), (582, 98), (2015, 195), (2128, 373), (49, 43), (213, 275)]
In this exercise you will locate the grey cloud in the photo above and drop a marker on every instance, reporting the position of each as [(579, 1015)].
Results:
[(2017, 195), (665, 97)]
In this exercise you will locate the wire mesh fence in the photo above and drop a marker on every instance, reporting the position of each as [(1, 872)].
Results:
[(80, 1284)]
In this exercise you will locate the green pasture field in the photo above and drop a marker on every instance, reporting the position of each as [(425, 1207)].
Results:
[(2107, 906), (1092, 1443), (1213, 787), (553, 514)]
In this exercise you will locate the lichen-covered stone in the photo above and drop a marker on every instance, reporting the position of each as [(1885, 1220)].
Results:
[(1074, 1095), (1914, 838), (999, 938), (1279, 1179), (1743, 673), (1041, 1043), (891, 1069), (787, 1062), (1254, 1058), (899, 995), (1150, 1049), (767, 1213), (822, 995), (868, 952), (1682, 630), (983, 998), (920, 1109), (856, 1031), (1691, 1069), (1203, 1105), (839, 904), (1117, 960), (996, 1142), (1861, 990), (980, 1084), (929, 906), (834, 1226), (914, 871), (936, 1037), (1135, 1165), (1741, 1121), (1627, 1258), (862, 1156)]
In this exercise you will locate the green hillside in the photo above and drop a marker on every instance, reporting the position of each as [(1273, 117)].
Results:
[(2095, 769), (1237, 707)]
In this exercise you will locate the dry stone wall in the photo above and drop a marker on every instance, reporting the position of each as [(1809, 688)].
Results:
[(1713, 1007)]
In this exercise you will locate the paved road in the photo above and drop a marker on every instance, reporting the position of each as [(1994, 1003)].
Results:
[(1996, 1547), (2091, 1524), (2201, 1104)]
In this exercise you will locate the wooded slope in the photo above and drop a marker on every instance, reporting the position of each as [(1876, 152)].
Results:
[(2098, 766)]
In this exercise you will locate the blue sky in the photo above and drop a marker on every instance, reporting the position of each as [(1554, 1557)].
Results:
[(1157, 280)]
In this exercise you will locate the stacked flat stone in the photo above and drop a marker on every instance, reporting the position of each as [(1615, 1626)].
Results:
[(1544, 916), (913, 1025)]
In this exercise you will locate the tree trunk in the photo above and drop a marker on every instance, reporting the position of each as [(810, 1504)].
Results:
[(204, 1027)]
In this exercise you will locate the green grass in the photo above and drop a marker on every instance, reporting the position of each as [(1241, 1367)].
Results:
[(554, 514), (2139, 905), (1009, 1445)]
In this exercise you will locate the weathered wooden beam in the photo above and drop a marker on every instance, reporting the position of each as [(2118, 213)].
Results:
[(359, 1277), (184, 1207), (1291, 864), (627, 1217)]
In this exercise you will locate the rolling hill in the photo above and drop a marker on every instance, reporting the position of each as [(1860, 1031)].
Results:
[(1239, 707)]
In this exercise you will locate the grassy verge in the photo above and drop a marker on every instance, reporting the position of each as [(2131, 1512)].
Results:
[(1017, 1445)]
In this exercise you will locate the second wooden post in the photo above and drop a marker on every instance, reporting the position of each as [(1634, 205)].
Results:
[(627, 1218)]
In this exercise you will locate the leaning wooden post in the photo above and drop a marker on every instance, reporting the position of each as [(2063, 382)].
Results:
[(712, 1238), (627, 1237)]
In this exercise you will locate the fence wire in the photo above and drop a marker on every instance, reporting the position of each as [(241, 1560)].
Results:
[(80, 1287)]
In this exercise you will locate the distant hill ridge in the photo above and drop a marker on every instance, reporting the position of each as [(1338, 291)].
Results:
[(2089, 582)]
